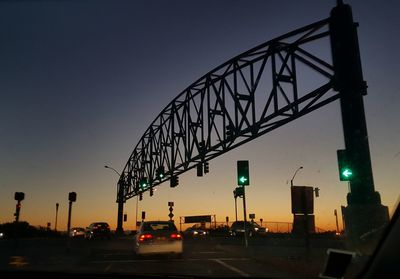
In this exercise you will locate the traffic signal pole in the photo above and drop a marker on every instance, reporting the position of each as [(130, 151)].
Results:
[(364, 212), (119, 230), (245, 217)]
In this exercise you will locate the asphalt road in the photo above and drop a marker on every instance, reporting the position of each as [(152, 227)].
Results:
[(210, 257)]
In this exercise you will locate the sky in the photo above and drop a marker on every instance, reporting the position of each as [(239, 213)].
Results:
[(80, 82)]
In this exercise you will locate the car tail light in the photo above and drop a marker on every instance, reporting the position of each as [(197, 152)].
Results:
[(146, 236), (176, 236)]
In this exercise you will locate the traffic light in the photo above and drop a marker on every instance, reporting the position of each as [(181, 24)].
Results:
[(243, 177), (346, 172), (199, 169), (230, 131), (316, 190), (206, 167), (238, 192), (174, 181), (151, 191), (140, 196), (72, 196), (160, 172), (19, 196), (143, 182)]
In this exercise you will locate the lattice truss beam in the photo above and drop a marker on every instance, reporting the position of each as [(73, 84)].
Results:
[(244, 98)]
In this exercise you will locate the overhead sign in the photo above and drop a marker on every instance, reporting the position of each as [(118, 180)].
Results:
[(198, 219)]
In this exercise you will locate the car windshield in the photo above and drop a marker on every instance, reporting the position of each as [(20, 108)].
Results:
[(159, 227), (202, 138)]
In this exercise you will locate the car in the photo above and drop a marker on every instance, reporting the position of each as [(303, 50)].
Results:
[(252, 229), (77, 232), (158, 237), (98, 230), (195, 231)]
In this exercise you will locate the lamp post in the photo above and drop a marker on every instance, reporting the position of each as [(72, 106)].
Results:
[(120, 201), (291, 181)]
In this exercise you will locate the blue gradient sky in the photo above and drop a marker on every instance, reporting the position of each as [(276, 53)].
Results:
[(80, 81)]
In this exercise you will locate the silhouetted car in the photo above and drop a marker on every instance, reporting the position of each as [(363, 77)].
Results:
[(77, 232), (252, 229), (195, 231), (98, 230), (158, 237)]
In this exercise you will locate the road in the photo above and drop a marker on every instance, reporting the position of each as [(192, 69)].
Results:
[(211, 257)]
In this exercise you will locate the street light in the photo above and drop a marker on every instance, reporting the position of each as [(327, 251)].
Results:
[(120, 202), (107, 167), (291, 181)]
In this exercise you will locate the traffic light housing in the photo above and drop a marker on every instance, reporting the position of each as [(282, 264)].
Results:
[(238, 192), (72, 197), (346, 172), (243, 177), (316, 190), (160, 172), (199, 169), (174, 181), (140, 196), (19, 196), (151, 191), (230, 131), (143, 183), (206, 167)]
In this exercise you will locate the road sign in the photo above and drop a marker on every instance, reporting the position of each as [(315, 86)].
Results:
[(198, 219), (302, 200)]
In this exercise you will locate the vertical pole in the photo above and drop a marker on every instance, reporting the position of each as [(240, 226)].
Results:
[(245, 217), (305, 211), (69, 217), (236, 209), (364, 211), (55, 225), (137, 208), (17, 211), (120, 213), (337, 223)]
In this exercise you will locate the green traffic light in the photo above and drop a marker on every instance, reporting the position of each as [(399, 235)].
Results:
[(243, 179), (347, 173)]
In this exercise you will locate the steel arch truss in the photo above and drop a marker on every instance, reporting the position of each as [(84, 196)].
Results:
[(244, 98)]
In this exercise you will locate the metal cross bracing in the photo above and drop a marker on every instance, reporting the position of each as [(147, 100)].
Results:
[(244, 98)]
